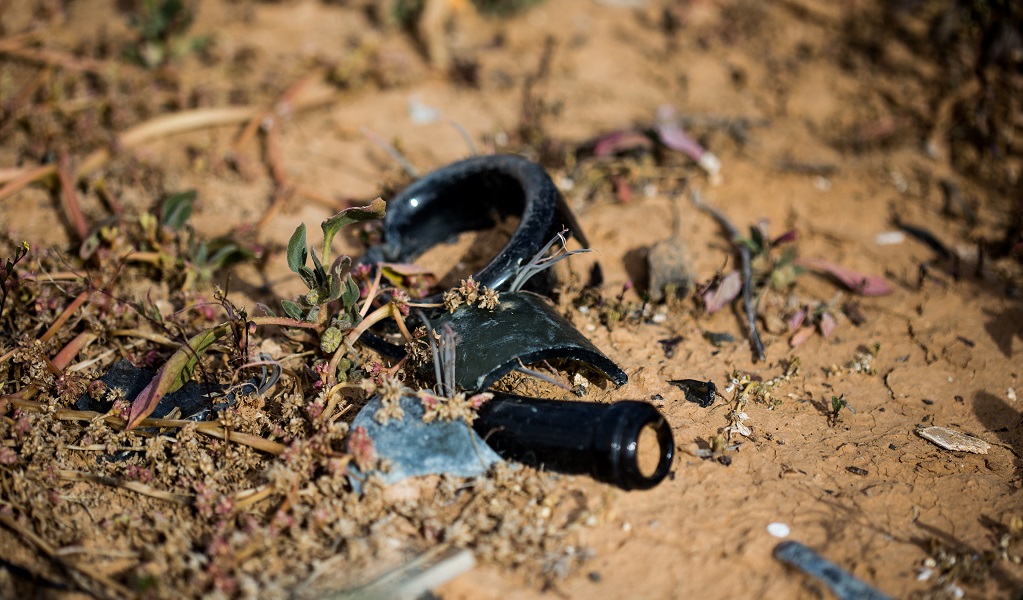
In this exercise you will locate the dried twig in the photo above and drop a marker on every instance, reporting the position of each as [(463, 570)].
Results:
[(70, 199), (165, 125), (747, 272), (25, 178)]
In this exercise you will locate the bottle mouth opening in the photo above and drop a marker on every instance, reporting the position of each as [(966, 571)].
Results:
[(649, 454), (641, 446)]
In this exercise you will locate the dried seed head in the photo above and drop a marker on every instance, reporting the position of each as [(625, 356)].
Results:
[(489, 299), (390, 391), (470, 290), (453, 299)]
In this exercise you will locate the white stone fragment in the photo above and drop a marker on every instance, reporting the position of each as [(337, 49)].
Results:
[(889, 238), (778, 530)]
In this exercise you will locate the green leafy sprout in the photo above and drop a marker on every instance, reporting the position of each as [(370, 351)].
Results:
[(330, 308), (161, 26)]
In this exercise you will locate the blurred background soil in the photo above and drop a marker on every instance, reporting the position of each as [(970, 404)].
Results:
[(840, 121)]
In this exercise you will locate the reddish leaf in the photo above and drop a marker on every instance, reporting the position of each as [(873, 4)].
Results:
[(620, 141), (797, 319), (672, 136), (789, 236), (801, 336), (866, 285), (719, 297), (827, 324)]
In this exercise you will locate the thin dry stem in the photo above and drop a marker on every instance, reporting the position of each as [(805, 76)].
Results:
[(132, 486), (64, 316), (25, 179), (374, 288), (69, 199)]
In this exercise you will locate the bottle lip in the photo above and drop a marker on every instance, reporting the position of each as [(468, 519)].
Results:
[(617, 441)]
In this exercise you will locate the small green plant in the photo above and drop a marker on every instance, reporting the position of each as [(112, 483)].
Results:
[(773, 266), (161, 26), (168, 242), (329, 285), (330, 308), (332, 302), (837, 404), (200, 258)]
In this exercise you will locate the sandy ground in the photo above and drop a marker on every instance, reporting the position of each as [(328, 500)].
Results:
[(826, 122)]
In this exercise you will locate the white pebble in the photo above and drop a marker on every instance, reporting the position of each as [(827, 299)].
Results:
[(889, 238), (420, 113), (778, 530), (1011, 394)]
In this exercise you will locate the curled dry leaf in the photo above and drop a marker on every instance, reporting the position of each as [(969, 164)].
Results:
[(717, 298), (623, 140), (827, 324), (674, 137), (866, 285), (797, 319), (950, 439), (800, 336)]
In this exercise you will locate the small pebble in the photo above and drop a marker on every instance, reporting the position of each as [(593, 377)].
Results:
[(778, 530), (421, 113), (1011, 394), (889, 238)]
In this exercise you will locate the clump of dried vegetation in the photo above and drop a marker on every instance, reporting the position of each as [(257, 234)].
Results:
[(256, 501)]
